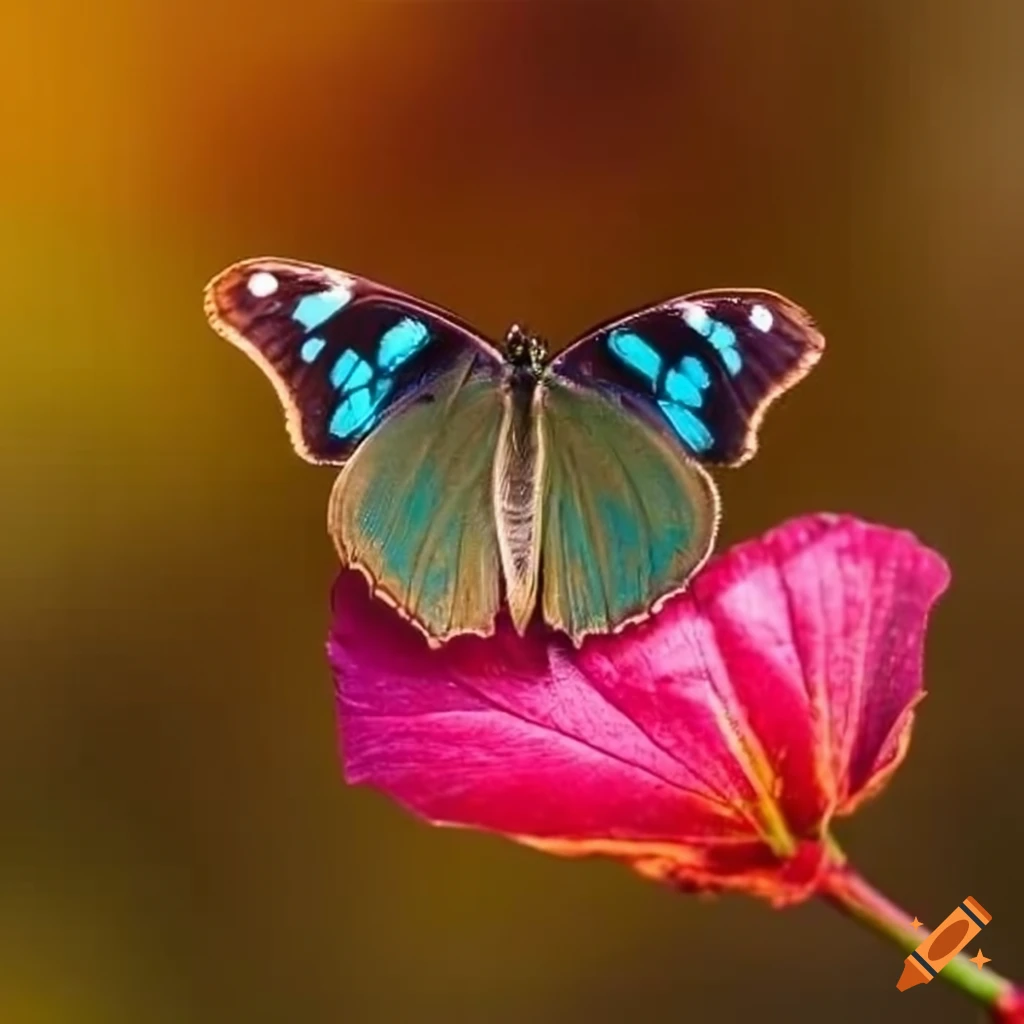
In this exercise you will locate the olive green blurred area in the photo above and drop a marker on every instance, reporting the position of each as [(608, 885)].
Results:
[(176, 843)]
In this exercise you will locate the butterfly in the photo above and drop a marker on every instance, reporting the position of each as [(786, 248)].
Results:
[(473, 473)]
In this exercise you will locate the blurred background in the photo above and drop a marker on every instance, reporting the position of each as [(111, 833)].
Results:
[(176, 844)]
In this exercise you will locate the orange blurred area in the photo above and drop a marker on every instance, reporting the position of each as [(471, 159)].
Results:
[(176, 844)]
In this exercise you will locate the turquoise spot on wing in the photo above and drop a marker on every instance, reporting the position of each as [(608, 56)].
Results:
[(722, 336), (311, 348), (696, 371), (680, 388), (400, 343), (361, 375), (343, 366), (359, 410), (351, 414), (688, 426), (350, 371), (636, 353), (732, 360), (313, 310)]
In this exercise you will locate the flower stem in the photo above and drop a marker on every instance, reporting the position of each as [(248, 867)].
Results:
[(846, 890)]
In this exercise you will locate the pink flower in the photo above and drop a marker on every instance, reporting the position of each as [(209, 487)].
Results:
[(709, 747)]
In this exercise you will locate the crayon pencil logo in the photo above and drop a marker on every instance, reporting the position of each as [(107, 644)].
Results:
[(943, 944)]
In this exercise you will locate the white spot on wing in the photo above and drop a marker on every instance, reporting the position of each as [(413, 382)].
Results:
[(695, 316), (261, 284), (761, 317)]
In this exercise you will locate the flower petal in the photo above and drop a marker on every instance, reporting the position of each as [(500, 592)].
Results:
[(505, 734), (708, 746), (858, 597)]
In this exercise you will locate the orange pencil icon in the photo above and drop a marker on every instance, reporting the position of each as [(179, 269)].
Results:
[(943, 944)]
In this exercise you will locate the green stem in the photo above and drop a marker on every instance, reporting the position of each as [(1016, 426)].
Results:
[(846, 890)]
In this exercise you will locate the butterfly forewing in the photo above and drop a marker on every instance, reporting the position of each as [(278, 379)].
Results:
[(342, 352), (704, 366), (408, 398)]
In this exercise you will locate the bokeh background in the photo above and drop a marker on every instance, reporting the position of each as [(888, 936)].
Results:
[(176, 844)]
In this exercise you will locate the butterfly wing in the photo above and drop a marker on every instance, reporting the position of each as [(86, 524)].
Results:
[(407, 398), (630, 411), (706, 365), (342, 352), (627, 517)]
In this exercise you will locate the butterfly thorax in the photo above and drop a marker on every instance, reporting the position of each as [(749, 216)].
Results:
[(525, 352)]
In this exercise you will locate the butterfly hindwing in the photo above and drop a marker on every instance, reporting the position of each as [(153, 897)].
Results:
[(627, 517), (342, 352), (413, 508), (706, 365)]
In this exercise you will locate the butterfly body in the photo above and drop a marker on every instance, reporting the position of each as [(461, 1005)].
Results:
[(473, 473), (518, 475)]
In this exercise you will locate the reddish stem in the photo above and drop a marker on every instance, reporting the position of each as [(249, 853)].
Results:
[(847, 891)]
